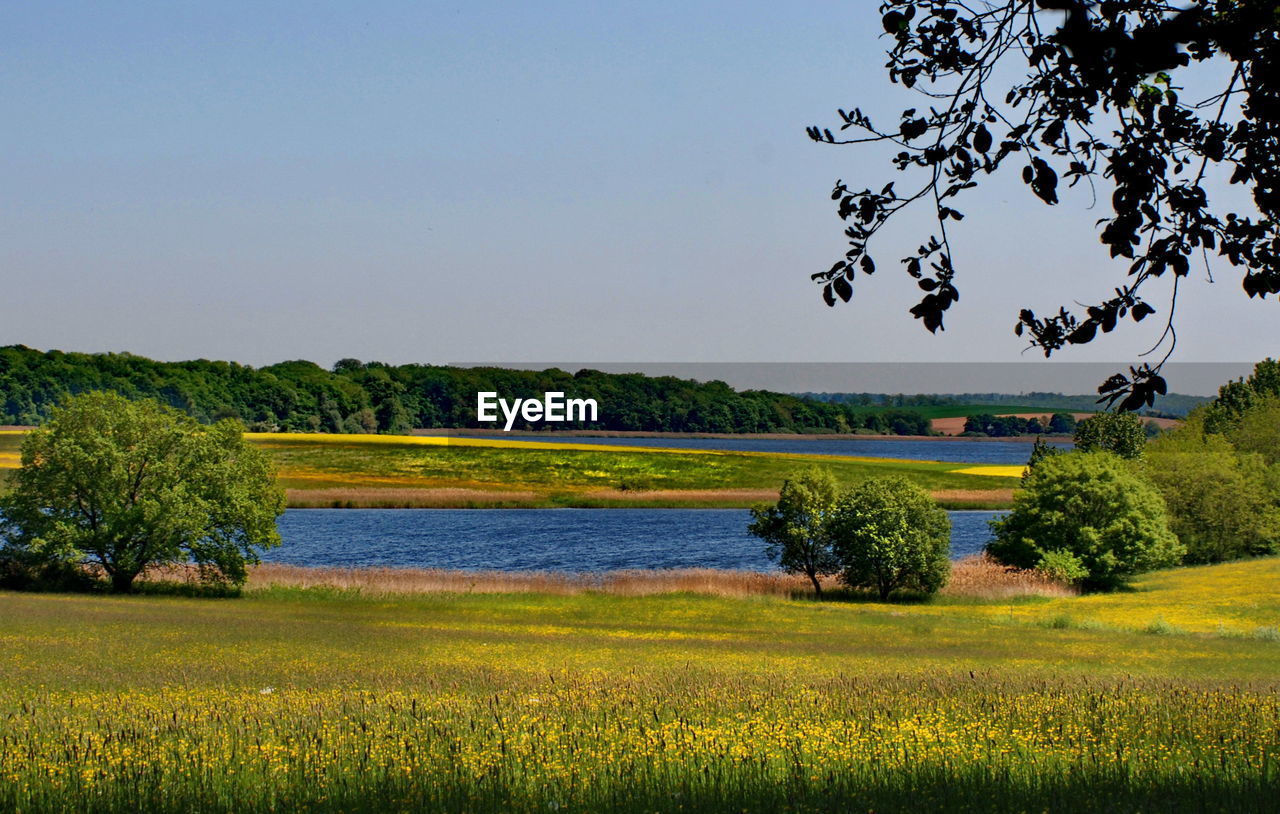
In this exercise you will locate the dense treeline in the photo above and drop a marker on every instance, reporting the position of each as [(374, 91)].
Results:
[(361, 397), (1220, 471), (1217, 476), (1005, 426)]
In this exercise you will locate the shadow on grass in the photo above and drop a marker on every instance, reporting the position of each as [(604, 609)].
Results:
[(70, 579), (186, 589), (858, 596), (851, 596)]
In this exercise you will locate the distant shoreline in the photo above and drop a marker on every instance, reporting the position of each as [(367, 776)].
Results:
[(753, 436)]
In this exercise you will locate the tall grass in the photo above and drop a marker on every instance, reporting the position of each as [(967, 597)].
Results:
[(393, 581), (664, 741), (981, 577), (974, 577), (347, 697)]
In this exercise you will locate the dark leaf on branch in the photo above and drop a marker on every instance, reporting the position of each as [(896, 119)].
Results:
[(982, 139)]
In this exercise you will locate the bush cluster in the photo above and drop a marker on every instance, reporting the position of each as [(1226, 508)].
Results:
[(1206, 492), (884, 534)]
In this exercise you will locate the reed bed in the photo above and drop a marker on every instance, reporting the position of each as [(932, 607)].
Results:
[(981, 577), (974, 498), (347, 497), (975, 577), (635, 582)]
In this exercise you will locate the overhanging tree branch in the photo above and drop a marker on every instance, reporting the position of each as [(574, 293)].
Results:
[(1084, 62)]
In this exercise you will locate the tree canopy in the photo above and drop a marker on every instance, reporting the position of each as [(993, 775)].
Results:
[(1092, 508), (1238, 398), (1222, 501), (362, 397), (1122, 434), (889, 534), (1096, 100), (126, 485), (795, 529)]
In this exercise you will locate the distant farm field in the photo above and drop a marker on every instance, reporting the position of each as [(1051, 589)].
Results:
[(963, 410), (356, 470), (385, 471), (1163, 699)]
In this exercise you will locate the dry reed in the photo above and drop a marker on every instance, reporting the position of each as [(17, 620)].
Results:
[(981, 577), (403, 498), (977, 577), (636, 582), (984, 496), (684, 495)]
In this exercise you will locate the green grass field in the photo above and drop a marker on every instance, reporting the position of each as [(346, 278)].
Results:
[(407, 471), (965, 410), (383, 470), (319, 700)]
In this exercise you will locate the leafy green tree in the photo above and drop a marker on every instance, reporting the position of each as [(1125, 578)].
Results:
[(889, 534), (1257, 430), (1241, 396), (1062, 423), (795, 528), (1120, 433), (1093, 506), (126, 485), (1222, 501)]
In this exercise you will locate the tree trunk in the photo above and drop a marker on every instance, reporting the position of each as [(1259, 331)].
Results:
[(817, 586), (122, 582)]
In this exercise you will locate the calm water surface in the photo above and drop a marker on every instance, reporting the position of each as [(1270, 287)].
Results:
[(951, 450), (543, 539)]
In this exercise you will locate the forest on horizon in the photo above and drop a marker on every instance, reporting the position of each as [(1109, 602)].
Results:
[(370, 397)]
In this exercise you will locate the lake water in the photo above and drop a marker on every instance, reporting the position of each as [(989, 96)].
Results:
[(952, 450), (543, 539)]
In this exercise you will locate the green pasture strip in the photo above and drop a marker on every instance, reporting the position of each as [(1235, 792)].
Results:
[(297, 638), (531, 466), (965, 410)]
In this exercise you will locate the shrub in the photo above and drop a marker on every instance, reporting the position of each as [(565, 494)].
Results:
[(889, 534), (1062, 565), (1039, 452), (1094, 507)]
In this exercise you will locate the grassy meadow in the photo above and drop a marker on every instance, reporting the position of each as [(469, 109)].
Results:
[(355, 470), (389, 471), (324, 699), (965, 410)]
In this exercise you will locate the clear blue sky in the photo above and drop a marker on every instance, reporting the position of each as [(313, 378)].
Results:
[(514, 182)]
